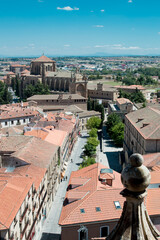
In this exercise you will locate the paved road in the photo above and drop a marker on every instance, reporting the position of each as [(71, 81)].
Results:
[(51, 229), (109, 157)]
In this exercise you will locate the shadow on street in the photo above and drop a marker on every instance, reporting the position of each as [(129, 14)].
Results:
[(50, 236), (112, 156), (113, 160)]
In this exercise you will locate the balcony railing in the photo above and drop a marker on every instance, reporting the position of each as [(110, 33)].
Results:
[(24, 213)]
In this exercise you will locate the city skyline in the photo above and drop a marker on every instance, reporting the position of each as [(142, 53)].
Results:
[(60, 28)]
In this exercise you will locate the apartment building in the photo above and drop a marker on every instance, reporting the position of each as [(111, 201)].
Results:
[(30, 174), (93, 204), (142, 131), (103, 93), (121, 107), (16, 114), (85, 116), (59, 100)]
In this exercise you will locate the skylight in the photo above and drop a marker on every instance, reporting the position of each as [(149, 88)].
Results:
[(98, 209), (106, 170), (117, 204), (82, 210)]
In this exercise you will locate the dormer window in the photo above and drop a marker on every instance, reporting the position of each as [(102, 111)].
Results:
[(82, 210), (98, 209), (117, 204)]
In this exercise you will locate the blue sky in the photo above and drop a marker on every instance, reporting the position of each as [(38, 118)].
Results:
[(79, 27)]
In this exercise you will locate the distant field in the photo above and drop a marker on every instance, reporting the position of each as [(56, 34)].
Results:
[(112, 83)]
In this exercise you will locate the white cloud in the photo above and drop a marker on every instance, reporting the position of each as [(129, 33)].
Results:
[(102, 10), (98, 26), (67, 45), (108, 46), (31, 45), (130, 1), (126, 48), (117, 47), (68, 8)]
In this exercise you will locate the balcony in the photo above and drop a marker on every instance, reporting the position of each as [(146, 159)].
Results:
[(23, 214), (11, 235), (25, 227)]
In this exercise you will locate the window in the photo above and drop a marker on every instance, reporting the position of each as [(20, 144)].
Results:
[(117, 205), (24, 120), (98, 209), (12, 122), (82, 210), (104, 231), (5, 123), (83, 233)]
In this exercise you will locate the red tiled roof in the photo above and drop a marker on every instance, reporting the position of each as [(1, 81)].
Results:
[(32, 152), (151, 159), (139, 87), (98, 195), (12, 196), (148, 126), (123, 100), (39, 133), (43, 59)]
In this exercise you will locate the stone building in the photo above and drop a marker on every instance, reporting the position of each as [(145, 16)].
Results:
[(135, 223), (103, 93), (85, 116), (30, 175), (59, 100), (121, 107), (142, 131), (131, 88), (16, 114), (43, 69), (93, 203)]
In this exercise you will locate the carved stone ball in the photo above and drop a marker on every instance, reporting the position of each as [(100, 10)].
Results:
[(135, 177)]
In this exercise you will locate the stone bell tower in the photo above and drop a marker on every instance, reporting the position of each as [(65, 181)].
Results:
[(78, 85)]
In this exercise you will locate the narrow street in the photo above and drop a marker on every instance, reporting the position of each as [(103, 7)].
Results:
[(51, 229), (109, 157)]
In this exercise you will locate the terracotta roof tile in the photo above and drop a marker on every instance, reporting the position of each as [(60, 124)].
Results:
[(12, 197), (97, 195), (146, 121), (43, 59)]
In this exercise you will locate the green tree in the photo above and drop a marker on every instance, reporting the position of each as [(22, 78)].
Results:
[(93, 141), (89, 104), (17, 87), (29, 91), (87, 162), (5, 96), (13, 83), (118, 134), (90, 150), (113, 119), (39, 88), (93, 122), (93, 132)]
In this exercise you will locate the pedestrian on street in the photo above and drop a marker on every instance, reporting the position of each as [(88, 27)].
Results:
[(66, 178)]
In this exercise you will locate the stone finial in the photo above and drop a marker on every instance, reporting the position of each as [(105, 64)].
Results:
[(134, 223), (136, 177)]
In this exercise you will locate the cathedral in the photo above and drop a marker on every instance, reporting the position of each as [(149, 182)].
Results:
[(43, 69)]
